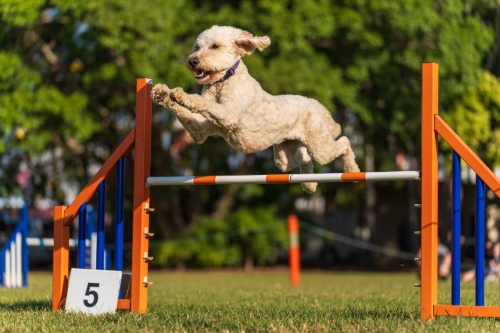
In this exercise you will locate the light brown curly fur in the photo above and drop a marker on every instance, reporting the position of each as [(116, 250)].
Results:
[(300, 129)]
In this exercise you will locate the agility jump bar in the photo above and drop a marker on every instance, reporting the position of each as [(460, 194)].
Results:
[(284, 178)]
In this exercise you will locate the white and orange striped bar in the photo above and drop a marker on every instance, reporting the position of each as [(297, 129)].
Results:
[(284, 178)]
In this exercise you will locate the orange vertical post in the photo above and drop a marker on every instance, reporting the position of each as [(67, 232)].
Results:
[(60, 268), (429, 193), (294, 250), (140, 223)]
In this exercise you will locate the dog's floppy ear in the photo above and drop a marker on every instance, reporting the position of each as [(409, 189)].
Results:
[(246, 43)]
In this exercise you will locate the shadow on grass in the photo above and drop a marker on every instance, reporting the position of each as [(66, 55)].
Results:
[(26, 306)]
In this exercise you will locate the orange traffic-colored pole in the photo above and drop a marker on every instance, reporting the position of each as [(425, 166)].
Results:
[(140, 223), (429, 193), (294, 250), (60, 268)]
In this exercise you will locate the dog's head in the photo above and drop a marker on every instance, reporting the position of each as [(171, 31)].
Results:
[(217, 49)]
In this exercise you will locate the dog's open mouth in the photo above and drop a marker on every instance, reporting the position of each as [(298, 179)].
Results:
[(201, 74)]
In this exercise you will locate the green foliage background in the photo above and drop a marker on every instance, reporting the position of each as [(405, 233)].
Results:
[(68, 69)]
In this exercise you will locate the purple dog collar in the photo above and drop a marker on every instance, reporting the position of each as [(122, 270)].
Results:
[(230, 72)]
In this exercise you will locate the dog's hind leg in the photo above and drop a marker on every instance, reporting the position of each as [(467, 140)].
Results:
[(290, 154), (349, 158), (284, 154), (306, 166), (324, 150)]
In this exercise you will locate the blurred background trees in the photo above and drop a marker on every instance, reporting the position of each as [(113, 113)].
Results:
[(67, 78)]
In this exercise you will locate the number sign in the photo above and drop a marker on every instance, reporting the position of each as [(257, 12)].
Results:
[(93, 291)]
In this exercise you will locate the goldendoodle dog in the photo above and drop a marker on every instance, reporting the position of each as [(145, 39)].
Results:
[(233, 105)]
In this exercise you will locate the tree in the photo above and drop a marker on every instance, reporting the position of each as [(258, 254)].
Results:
[(68, 70), (475, 116)]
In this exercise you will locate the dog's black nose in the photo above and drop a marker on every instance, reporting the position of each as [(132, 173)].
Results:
[(193, 62)]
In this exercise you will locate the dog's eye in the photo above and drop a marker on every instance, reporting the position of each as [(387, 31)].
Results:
[(214, 46)]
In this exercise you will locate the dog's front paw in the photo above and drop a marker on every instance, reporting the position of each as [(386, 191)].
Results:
[(179, 96), (160, 94)]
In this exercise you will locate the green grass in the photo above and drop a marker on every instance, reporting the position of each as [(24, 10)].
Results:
[(257, 302)]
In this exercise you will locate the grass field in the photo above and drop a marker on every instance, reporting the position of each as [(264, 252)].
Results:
[(256, 302)]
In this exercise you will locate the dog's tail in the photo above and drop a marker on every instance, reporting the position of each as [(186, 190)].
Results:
[(333, 127)]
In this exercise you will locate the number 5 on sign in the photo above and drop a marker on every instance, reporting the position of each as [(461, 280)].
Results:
[(93, 291)]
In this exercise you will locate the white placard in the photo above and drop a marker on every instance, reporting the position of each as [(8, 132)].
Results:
[(93, 291)]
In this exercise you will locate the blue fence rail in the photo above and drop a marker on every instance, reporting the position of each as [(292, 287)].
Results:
[(480, 226), (14, 255), (96, 232)]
